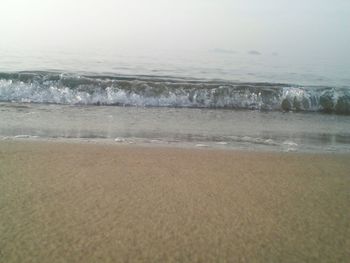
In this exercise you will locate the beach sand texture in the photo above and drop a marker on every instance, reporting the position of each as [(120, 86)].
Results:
[(70, 202)]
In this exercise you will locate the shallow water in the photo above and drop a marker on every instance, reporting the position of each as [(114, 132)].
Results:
[(275, 131)]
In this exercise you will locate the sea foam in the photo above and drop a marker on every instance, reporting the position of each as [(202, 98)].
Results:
[(75, 89)]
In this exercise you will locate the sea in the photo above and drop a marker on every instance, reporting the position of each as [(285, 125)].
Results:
[(225, 99)]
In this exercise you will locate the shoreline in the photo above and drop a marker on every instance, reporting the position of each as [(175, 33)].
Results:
[(79, 202), (170, 144)]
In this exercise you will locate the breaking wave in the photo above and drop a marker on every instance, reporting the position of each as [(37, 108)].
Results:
[(84, 89)]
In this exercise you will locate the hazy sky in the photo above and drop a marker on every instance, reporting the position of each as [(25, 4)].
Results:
[(284, 26)]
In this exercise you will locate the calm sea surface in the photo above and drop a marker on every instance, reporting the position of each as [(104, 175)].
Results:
[(210, 64)]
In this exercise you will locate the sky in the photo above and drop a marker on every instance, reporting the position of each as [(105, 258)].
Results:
[(319, 27)]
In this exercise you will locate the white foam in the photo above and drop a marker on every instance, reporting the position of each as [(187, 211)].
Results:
[(158, 93), (290, 143), (119, 139), (22, 136)]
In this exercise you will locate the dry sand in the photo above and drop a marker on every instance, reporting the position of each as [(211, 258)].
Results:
[(62, 202)]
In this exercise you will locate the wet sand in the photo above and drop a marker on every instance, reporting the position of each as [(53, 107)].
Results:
[(70, 202)]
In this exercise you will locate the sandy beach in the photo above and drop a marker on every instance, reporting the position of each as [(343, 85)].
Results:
[(71, 202)]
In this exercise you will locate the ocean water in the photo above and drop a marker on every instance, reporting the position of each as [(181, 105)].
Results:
[(214, 98)]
